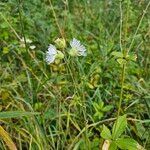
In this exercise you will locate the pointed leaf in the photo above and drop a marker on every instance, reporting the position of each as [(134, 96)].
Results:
[(121, 61), (113, 146), (106, 134), (107, 108), (117, 54), (119, 126), (127, 143), (14, 114)]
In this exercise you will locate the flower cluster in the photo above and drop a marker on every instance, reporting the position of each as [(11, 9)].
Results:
[(77, 49), (28, 41)]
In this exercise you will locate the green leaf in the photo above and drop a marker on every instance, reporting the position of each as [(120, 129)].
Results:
[(133, 57), (5, 50), (119, 126), (15, 114), (95, 144), (127, 143), (106, 134), (98, 115), (101, 104), (117, 54), (107, 108), (121, 61), (113, 146)]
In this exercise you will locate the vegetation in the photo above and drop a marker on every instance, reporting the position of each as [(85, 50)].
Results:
[(94, 94)]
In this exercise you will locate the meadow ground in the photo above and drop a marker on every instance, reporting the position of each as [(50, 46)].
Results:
[(75, 74)]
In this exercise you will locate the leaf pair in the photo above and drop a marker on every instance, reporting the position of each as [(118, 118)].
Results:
[(100, 109), (121, 59), (114, 139), (118, 128)]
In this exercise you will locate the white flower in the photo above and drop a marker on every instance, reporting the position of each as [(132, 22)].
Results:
[(77, 48), (51, 54)]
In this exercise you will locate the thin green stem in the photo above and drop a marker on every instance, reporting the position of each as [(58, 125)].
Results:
[(122, 86), (134, 36), (126, 27), (22, 26), (123, 67), (84, 110), (121, 26), (56, 20), (122, 70), (16, 34)]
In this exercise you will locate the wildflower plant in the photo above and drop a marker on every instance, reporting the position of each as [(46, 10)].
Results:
[(77, 49)]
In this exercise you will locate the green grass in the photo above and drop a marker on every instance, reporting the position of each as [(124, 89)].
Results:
[(65, 104)]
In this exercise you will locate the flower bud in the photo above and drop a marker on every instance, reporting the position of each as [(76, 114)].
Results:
[(61, 43), (59, 55), (73, 52)]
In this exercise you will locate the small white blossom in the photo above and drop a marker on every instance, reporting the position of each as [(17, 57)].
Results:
[(77, 48), (51, 54), (32, 47), (27, 40), (22, 42)]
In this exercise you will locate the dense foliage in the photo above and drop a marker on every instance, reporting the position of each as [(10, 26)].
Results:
[(98, 101)]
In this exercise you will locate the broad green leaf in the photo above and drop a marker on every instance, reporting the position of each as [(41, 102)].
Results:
[(117, 54), (106, 134), (113, 146), (119, 127), (15, 114), (127, 143)]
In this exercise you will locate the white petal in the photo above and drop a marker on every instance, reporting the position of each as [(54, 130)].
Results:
[(82, 53), (50, 58), (75, 43), (52, 49), (51, 54), (82, 48)]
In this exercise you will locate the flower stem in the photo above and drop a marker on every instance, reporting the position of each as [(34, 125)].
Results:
[(121, 92)]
